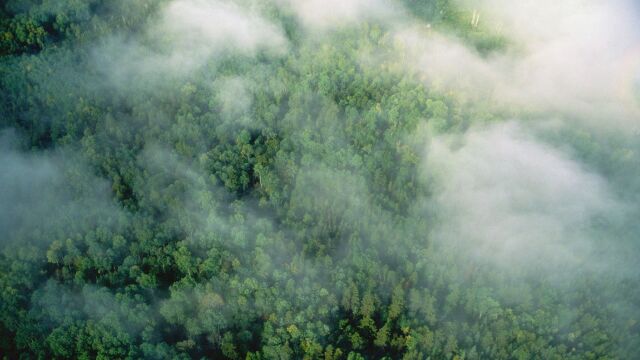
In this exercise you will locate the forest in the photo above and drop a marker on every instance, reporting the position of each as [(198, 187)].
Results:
[(319, 179)]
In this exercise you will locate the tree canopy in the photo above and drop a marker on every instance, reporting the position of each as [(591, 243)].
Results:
[(261, 180)]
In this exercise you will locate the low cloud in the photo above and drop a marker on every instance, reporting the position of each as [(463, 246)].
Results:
[(198, 27), (575, 58), (322, 15), (184, 37), (49, 194), (506, 199)]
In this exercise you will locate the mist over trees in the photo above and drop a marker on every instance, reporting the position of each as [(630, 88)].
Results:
[(342, 179)]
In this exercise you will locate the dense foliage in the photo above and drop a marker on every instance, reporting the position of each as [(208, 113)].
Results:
[(262, 205)]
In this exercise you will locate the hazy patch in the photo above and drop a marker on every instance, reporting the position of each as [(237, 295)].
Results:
[(202, 28), (184, 37), (322, 15), (576, 58), (504, 198), (49, 194), (235, 99)]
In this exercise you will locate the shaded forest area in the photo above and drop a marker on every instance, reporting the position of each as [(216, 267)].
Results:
[(269, 180)]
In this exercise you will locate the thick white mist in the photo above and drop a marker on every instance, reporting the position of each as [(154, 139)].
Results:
[(505, 199)]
